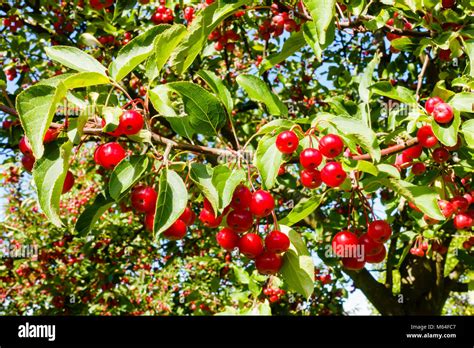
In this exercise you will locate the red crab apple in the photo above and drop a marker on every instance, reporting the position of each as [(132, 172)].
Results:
[(370, 246), (268, 263), (287, 142), (241, 198), (176, 231), (431, 103), (251, 245), (262, 203), (277, 242), (227, 239), (109, 155), (143, 198), (332, 174), (344, 243), (353, 263), (240, 220), (310, 158), (377, 258), (440, 155), (379, 230), (310, 178), (331, 145), (443, 113), (68, 182), (426, 136)]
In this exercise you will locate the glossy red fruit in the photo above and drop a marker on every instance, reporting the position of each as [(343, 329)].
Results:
[(413, 152), (443, 113), (68, 182), (331, 145), (332, 174), (176, 231), (268, 263), (206, 216), (188, 216), (448, 3), (377, 258), (262, 203), (460, 204), (241, 198), (277, 242), (287, 142), (431, 103), (447, 208), (440, 155), (240, 220), (131, 122), (344, 243), (463, 221), (426, 136), (227, 239), (25, 146), (28, 162), (352, 263), (310, 178), (370, 247), (310, 158), (109, 155), (250, 245), (143, 198), (149, 221), (379, 230), (445, 55), (418, 168), (50, 136)]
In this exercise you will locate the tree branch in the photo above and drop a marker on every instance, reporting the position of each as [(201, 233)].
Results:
[(389, 150), (376, 292)]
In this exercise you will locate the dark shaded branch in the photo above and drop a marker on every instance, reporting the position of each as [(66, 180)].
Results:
[(376, 292)]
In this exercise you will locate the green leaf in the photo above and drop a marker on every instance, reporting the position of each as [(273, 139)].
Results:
[(469, 48), (202, 176), (135, 52), (84, 79), (468, 131), (399, 93), (165, 43), (322, 13), (172, 200), (49, 173), (112, 117), (463, 102), (447, 133), (303, 209), (356, 130), (268, 160), (217, 184), (218, 87), (311, 36), (367, 79), (241, 275), (259, 91), (226, 180), (75, 59), (126, 174), (360, 165), (298, 267), (36, 107), (406, 44), (205, 22), (206, 114), (76, 126), (423, 197), (293, 44), (275, 124), (92, 213)]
